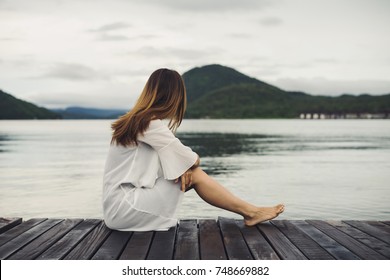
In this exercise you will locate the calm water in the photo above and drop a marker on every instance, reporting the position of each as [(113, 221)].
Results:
[(325, 169)]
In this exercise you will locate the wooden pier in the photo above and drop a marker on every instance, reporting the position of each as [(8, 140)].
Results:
[(221, 239)]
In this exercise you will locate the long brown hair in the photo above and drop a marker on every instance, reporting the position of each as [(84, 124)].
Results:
[(163, 97)]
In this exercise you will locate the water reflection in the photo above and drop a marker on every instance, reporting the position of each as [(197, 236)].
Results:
[(218, 150), (221, 144), (219, 167), (230, 144), (214, 148), (321, 170), (3, 142)]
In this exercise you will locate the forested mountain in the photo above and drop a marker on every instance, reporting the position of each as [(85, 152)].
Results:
[(216, 91), (14, 108)]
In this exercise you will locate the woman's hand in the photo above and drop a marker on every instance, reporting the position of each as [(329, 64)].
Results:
[(186, 180)]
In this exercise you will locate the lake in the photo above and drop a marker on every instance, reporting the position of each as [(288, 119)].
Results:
[(320, 169)]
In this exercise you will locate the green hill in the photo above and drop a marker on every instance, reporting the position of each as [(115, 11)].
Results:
[(15, 109), (201, 80), (216, 91)]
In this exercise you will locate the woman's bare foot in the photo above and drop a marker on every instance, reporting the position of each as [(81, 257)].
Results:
[(264, 214)]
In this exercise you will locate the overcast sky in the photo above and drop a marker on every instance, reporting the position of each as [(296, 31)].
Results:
[(99, 53)]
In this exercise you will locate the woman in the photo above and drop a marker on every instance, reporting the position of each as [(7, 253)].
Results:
[(148, 169)]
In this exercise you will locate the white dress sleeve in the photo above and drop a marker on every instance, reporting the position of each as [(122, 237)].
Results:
[(175, 158)]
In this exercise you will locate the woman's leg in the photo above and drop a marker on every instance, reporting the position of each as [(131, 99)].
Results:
[(215, 194)]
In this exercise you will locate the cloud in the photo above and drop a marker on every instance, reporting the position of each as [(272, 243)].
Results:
[(326, 61), (104, 32), (240, 35), (144, 36), (111, 27), (323, 86), (9, 39), (211, 6), (271, 21), (59, 99), (73, 71), (115, 96), (150, 51), (109, 37), (264, 66)]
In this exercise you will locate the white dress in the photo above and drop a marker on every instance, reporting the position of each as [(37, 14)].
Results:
[(139, 193)]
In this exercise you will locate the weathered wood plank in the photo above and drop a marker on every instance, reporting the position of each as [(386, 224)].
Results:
[(371, 230), (8, 223), (335, 249), (355, 246), (88, 246), (63, 246), (305, 244), (163, 245), (138, 246), (233, 240), (18, 230), (386, 222), (26, 237), (112, 248), (257, 244), (187, 246), (283, 247), (382, 226), (372, 242), (210, 239), (44, 241)]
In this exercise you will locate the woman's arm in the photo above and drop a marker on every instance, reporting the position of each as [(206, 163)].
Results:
[(175, 158), (186, 178), (196, 164)]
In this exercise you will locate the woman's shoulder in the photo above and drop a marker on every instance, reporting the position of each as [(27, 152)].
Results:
[(157, 134), (156, 124), (114, 147)]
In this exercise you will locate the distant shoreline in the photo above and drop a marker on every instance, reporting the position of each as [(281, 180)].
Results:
[(214, 119)]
